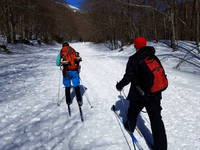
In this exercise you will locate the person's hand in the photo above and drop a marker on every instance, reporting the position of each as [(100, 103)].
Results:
[(119, 87), (78, 59), (64, 62)]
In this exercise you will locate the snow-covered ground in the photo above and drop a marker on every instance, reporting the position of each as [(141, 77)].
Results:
[(31, 120)]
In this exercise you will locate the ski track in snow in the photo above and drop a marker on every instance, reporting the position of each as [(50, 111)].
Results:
[(31, 120)]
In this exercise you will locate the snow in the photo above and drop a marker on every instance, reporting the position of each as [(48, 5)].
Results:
[(31, 120), (73, 7)]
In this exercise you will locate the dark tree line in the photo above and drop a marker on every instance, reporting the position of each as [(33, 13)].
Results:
[(108, 21), (122, 20), (44, 20)]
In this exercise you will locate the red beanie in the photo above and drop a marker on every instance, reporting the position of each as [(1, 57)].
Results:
[(140, 42)]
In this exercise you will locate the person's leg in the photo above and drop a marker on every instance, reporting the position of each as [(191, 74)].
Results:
[(154, 108), (76, 85), (67, 95), (67, 79), (75, 77), (78, 95), (67, 84), (134, 109)]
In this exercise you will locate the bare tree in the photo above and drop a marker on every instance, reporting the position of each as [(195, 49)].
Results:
[(197, 7), (37, 19)]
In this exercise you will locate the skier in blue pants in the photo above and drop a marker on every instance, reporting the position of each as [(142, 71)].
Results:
[(69, 59)]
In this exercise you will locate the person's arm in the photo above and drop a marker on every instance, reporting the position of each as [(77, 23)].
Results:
[(58, 60), (78, 58), (130, 75)]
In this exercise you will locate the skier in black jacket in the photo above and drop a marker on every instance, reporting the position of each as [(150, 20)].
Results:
[(138, 75)]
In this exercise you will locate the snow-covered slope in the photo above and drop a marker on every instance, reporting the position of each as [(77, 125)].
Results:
[(63, 2), (31, 120), (74, 8)]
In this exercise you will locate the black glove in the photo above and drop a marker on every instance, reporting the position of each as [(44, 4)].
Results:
[(119, 87)]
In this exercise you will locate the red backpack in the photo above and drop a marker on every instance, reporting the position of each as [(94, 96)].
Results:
[(69, 54), (160, 82)]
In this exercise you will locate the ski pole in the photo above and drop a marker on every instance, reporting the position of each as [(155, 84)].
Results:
[(59, 88), (116, 117), (124, 93), (91, 106)]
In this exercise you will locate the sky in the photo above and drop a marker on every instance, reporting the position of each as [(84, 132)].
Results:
[(75, 3)]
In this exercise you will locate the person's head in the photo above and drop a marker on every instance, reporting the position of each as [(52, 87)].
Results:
[(139, 42), (65, 44)]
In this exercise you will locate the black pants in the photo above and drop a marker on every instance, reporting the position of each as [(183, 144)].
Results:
[(153, 107), (77, 92)]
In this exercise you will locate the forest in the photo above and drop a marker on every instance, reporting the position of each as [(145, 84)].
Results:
[(116, 22)]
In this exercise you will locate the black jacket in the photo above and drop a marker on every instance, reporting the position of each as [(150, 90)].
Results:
[(138, 74)]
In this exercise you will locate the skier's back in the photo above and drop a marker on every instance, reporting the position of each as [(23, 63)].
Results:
[(69, 59), (145, 91)]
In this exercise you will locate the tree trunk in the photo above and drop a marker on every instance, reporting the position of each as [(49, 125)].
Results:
[(165, 28), (197, 24), (155, 28), (173, 30)]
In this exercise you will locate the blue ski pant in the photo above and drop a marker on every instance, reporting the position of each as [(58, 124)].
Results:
[(71, 78)]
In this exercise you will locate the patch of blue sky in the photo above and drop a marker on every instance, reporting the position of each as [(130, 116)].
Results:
[(75, 3)]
